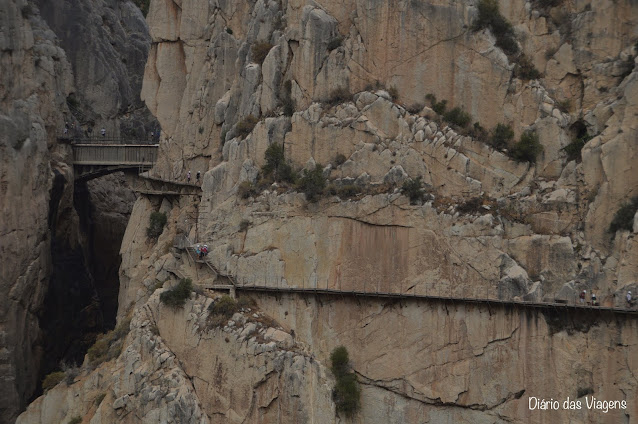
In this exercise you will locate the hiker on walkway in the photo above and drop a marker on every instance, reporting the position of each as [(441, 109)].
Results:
[(198, 250), (582, 297), (629, 299), (188, 176), (103, 132), (205, 250), (594, 301), (197, 176)]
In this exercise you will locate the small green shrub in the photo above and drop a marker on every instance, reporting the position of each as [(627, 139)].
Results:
[(394, 93), (335, 43), (564, 105), (348, 191), (624, 217), (229, 31), (338, 95), (458, 117), (276, 166), (479, 133), (527, 148), (76, 420), (99, 398), (489, 16), (244, 225), (346, 393), (312, 183), (246, 126), (246, 189), (415, 108), (574, 149), (176, 297), (413, 189), (156, 224), (52, 380), (525, 69), (221, 310), (438, 107), (201, 130), (339, 160), (501, 136), (245, 302), (473, 205), (108, 346), (260, 51)]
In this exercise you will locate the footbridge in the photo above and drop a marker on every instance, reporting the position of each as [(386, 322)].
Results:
[(97, 156), (227, 282)]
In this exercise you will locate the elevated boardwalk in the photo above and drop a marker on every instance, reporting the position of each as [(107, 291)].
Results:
[(552, 307), (96, 157), (152, 185)]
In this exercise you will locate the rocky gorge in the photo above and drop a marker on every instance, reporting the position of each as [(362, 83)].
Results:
[(366, 99)]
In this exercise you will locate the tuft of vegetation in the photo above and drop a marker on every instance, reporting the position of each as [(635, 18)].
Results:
[(339, 160), (479, 133), (473, 205), (229, 31), (156, 224), (176, 297), (438, 107), (564, 105), (76, 420), (525, 69), (574, 149), (348, 191), (501, 136), (415, 108), (624, 217), (245, 302), (70, 373), (489, 16), (99, 398), (394, 93), (338, 95), (527, 149), (201, 130), (244, 225), (413, 189), (313, 183), (108, 346), (246, 126), (335, 43), (276, 166), (260, 51), (346, 393), (246, 189), (222, 310), (52, 380), (458, 117)]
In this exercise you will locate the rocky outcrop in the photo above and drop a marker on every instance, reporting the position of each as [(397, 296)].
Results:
[(178, 367)]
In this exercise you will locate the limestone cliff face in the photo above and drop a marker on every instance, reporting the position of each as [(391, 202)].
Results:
[(35, 78), (547, 236), (537, 233), (47, 80)]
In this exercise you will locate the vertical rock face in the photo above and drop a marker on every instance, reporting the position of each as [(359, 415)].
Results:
[(107, 44), (77, 62), (35, 79)]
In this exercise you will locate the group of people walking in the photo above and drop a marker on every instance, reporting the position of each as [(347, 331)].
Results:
[(594, 299), (197, 177), (202, 251)]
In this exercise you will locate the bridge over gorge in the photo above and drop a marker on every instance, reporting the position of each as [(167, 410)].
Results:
[(234, 284), (97, 156)]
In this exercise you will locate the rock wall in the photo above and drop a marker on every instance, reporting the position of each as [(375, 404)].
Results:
[(544, 229), (35, 79), (47, 80)]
